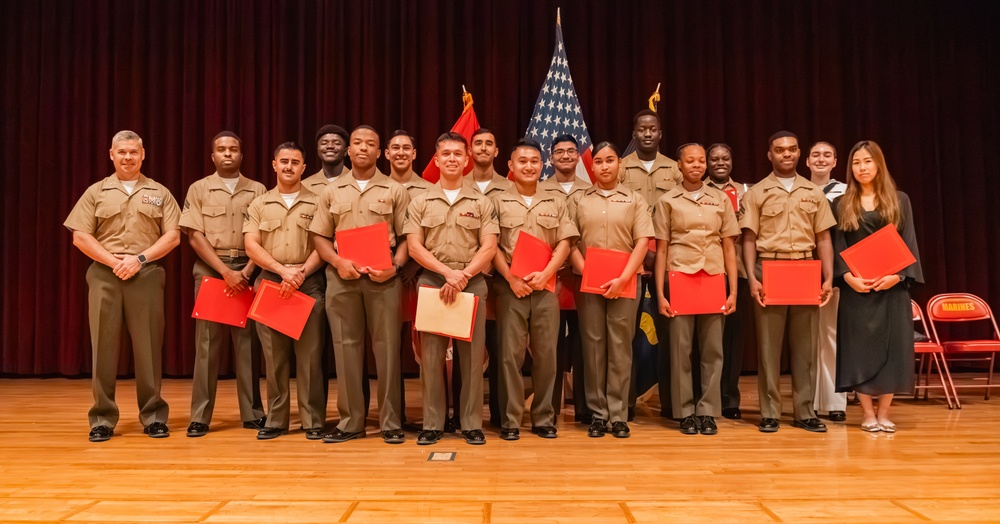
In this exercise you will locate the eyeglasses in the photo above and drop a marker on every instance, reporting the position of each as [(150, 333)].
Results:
[(564, 152)]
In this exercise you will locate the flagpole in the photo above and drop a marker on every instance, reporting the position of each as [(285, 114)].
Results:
[(655, 98), (558, 17)]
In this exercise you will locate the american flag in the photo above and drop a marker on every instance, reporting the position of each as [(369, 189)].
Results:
[(557, 112)]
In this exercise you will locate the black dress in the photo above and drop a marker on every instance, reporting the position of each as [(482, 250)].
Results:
[(875, 329)]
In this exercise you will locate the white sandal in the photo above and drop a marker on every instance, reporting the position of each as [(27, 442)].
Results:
[(873, 427)]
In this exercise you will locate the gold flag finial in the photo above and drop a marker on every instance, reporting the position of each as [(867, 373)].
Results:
[(654, 98), (466, 99)]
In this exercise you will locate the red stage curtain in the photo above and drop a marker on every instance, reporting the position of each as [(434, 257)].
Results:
[(919, 77)]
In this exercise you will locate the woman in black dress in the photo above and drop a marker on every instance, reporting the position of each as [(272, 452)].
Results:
[(874, 326)]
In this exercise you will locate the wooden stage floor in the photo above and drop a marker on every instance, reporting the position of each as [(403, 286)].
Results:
[(942, 465)]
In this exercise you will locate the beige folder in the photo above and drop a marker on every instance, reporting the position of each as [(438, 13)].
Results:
[(453, 320)]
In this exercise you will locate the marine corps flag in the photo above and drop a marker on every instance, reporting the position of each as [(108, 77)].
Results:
[(465, 126), (557, 112)]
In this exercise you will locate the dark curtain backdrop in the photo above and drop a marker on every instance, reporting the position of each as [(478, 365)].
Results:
[(919, 77)]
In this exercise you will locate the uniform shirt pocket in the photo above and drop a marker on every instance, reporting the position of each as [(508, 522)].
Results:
[(380, 208), (468, 231), (340, 208), (270, 225), (548, 222), (808, 208), (215, 219), (149, 218), (510, 222)]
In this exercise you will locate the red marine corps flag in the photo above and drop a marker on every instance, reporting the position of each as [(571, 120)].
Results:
[(557, 112), (465, 126)]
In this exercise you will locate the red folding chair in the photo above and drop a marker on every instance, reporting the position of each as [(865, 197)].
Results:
[(963, 307), (936, 353)]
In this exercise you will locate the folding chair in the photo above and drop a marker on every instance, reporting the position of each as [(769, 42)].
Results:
[(936, 353), (964, 307)]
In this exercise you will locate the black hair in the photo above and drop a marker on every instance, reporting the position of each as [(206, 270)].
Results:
[(365, 127), (526, 142), (645, 112), (400, 132), (781, 134), (564, 138), (723, 145), (289, 145), (334, 130), (230, 134), (602, 145), (450, 136), (687, 145), (482, 131)]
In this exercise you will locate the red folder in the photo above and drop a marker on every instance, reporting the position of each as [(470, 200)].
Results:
[(882, 253), (792, 282), (531, 254), (366, 246), (698, 293), (567, 294), (213, 305), (603, 265), (285, 315)]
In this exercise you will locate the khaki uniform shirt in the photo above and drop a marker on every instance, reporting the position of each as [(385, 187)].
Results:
[(546, 219), (211, 209), (694, 229), (284, 232), (125, 224), (496, 185), (416, 185), (786, 222), (553, 185), (452, 232), (740, 189), (651, 184), (344, 205), (317, 182), (613, 222)]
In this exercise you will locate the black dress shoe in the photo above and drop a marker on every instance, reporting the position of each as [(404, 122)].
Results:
[(314, 433), (270, 433), (337, 436), (812, 424), (598, 427), (101, 433), (258, 424), (156, 430), (689, 426), (510, 434), (732, 413), (474, 437), (428, 437), (838, 416), (768, 425), (620, 430), (393, 436), (707, 425), (197, 429), (451, 425), (544, 431)]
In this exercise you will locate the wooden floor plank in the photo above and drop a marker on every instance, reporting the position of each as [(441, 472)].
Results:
[(941, 465)]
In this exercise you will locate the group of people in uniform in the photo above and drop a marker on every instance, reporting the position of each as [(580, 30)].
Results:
[(458, 236)]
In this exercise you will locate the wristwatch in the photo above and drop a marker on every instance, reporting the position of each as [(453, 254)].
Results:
[(901, 276), (398, 268), (141, 258)]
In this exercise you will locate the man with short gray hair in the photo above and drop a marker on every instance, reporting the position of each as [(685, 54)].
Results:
[(125, 223)]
